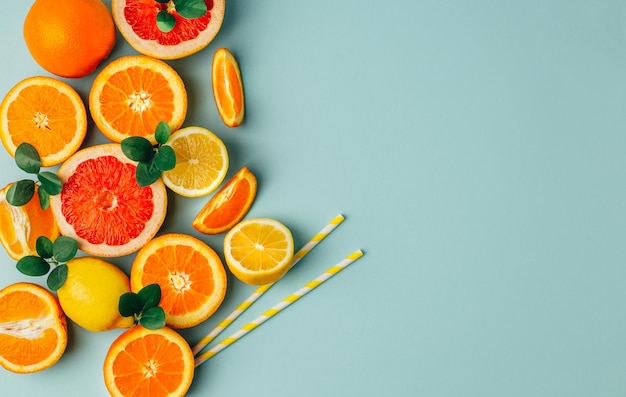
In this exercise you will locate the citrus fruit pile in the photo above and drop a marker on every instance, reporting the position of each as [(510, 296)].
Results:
[(110, 200)]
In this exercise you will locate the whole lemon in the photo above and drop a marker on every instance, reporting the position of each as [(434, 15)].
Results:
[(91, 293), (69, 38)]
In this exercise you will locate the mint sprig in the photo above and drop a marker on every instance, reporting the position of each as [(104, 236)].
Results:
[(50, 254), (151, 161), (143, 307), (20, 193), (188, 9)]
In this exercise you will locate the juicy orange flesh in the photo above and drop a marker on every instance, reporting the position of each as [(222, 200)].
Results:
[(181, 271), (135, 100), (141, 16), (104, 203), (150, 366), (228, 88), (44, 117), (230, 202), (190, 152), (258, 246), (21, 350)]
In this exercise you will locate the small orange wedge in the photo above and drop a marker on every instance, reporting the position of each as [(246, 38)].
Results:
[(229, 205), (227, 87)]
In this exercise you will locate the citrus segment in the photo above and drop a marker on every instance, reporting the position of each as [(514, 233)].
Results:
[(136, 20), (47, 113), (132, 94), (21, 226), (33, 330), (258, 251), (201, 162), (191, 276), (227, 87), (154, 363), (102, 206), (229, 205)]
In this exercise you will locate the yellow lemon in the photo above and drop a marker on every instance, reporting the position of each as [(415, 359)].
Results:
[(90, 295)]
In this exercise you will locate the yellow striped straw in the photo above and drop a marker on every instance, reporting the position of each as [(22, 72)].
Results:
[(321, 235), (308, 287)]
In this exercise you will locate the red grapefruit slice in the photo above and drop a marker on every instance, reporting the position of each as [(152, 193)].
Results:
[(136, 20), (102, 206)]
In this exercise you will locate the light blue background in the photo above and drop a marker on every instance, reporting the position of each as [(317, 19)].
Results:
[(477, 150)]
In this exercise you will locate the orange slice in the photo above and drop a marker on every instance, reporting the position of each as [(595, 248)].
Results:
[(132, 94), (229, 205), (47, 113), (102, 206), (21, 226), (258, 251), (33, 329), (227, 87), (154, 363), (191, 276)]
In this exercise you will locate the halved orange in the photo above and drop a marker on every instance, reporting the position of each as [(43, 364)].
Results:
[(259, 250), (151, 363), (132, 94), (21, 226), (229, 205), (227, 87), (191, 276), (33, 328), (102, 206), (47, 113)]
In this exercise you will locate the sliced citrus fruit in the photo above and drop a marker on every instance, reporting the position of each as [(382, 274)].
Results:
[(154, 363), (201, 162), (258, 251), (132, 94), (227, 87), (21, 226), (229, 205), (47, 113), (33, 329), (136, 20), (191, 276), (101, 204)]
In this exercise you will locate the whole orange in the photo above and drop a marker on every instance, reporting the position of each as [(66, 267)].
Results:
[(69, 38)]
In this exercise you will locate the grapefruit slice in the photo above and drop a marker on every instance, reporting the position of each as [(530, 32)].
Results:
[(102, 206), (136, 20)]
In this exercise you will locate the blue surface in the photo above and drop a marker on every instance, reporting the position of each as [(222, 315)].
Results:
[(477, 152)]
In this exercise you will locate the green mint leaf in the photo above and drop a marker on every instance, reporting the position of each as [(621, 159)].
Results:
[(64, 248), (165, 21), (44, 198), (27, 158), (147, 173), (153, 318), (162, 132), (130, 304), (50, 182), (165, 158), (21, 192), (137, 148), (150, 295), (190, 8), (32, 265), (43, 246), (57, 277)]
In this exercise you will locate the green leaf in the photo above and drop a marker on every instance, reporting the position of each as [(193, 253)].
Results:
[(162, 132), (27, 158), (43, 246), (137, 148), (150, 295), (64, 248), (165, 158), (147, 173), (44, 198), (21, 192), (165, 21), (32, 265), (57, 277), (153, 318), (190, 8), (50, 182), (130, 304)]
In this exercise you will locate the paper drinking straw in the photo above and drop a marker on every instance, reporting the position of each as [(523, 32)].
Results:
[(308, 287), (321, 235)]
